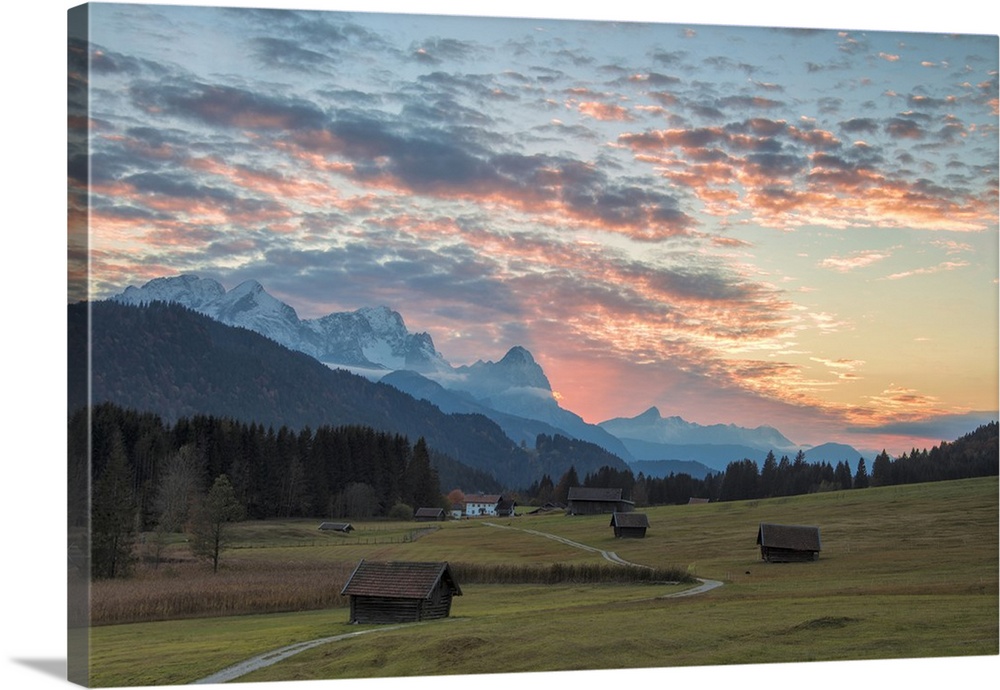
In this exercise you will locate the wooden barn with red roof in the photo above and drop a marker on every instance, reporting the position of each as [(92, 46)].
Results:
[(400, 592)]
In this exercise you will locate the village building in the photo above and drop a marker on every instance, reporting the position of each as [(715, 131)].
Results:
[(429, 515), (594, 501), (477, 505), (400, 592), (505, 508), (629, 525), (788, 543)]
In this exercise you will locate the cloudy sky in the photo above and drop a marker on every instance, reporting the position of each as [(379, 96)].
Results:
[(744, 225)]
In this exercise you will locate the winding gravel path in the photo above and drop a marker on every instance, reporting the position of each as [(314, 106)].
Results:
[(274, 656), (705, 586)]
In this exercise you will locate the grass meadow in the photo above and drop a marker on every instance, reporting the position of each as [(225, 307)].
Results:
[(905, 572)]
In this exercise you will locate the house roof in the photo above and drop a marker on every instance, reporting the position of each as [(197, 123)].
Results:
[(482, 498), (429, 512), (586, 493), (337, 526), (629, 520), (399, 579), (794, 537), (693, 500)]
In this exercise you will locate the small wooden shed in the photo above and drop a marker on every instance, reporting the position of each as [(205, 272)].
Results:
[(429, 515), (400, 592), (594, 501), (788, 543), (344, 527), (629, 525)]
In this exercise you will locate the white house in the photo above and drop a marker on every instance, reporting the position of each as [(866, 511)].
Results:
[(482, 504)]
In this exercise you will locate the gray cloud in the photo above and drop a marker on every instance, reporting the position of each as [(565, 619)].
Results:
[(944, 427)]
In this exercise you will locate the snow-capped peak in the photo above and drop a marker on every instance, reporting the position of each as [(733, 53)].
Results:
[(371, 337)]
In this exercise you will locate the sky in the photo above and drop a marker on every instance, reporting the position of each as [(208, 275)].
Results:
[(736, 224)]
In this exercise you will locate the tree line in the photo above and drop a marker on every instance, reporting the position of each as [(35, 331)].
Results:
[(146, 476), (973, 455)]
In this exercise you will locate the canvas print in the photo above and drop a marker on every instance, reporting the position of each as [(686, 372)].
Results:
[(413, 345)]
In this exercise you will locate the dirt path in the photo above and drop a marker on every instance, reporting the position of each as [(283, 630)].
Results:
[(273, 657), (705, 586), (607, 555)]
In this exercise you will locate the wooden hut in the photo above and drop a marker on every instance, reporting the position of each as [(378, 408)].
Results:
[(629, 525), (429, 515), (594, 501), (344, 527), (400, 592), (788, 543)]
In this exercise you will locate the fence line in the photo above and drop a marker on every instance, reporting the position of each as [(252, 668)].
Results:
[(407, 538)]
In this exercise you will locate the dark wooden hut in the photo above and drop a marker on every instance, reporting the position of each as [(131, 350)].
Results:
[(629, 525), (788, 543), (584, 500), (400, 592), (344, 527), (429, 514), (505, 508)]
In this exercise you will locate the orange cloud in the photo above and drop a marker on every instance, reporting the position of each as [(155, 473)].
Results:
[(604, 111), (787, 190)]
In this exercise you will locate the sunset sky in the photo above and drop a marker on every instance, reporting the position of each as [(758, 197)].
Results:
[(741, 225)]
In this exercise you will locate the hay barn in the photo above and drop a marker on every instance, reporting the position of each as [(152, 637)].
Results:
[(344, 527), (400, 592), (788, 543), (630, 525), (429, 515), (584, 500)]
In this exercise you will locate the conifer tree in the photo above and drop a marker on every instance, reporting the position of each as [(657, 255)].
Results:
[(569, 479), (113, 516), (422, 486), (861, 480)]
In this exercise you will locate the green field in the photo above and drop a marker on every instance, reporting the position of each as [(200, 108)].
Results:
[(905, 572)]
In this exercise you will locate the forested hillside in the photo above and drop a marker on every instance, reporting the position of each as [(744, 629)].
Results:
[(976, 454), (175, 363)]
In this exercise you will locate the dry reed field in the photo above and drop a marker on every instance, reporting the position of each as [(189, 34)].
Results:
[(187, 589)]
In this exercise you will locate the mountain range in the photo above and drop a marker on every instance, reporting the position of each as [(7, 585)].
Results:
[(513, 392), (168, 360)]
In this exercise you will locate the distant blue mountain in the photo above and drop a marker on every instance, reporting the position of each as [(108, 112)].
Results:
[(664, 468), (836, 452), (519, 429), (650, 436)]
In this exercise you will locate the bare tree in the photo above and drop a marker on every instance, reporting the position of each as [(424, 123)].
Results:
[(213, 513), (175, 496)]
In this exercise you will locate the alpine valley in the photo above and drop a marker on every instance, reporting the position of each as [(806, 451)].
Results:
[(185, 345)]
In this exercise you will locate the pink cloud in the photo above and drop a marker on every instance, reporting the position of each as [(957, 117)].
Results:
[(853, 261), (604, 111)]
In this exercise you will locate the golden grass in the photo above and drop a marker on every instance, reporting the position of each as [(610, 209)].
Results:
[(904, 572)]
